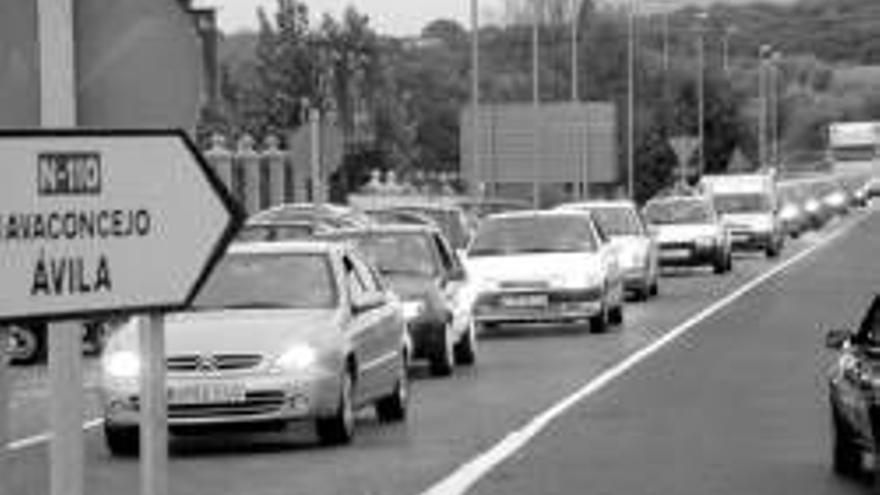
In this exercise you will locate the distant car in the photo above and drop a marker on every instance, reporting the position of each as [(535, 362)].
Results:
[(748, 205), (854, 386), (637, 249), (545, 267), (689, 232), (450, 219), (428, 276), (391, 217), (336, 216), (483, 207), (793, 216), (282, 230), (281, 332)]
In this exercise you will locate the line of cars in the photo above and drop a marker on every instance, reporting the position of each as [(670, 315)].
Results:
[(319, 311)]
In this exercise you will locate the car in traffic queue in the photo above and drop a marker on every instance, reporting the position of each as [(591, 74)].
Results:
[(429, 277), (327, 214), (748, 205), (386, 217), (281, 332), (637, 249), (793, 216), (545, 267), (451, 220), (282, 230), (689, 232), (854, 394)]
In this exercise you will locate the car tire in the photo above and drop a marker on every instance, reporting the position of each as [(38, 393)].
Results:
[(774, 250), (393, 408), (846, 458), (442, 360), (122, 441), (28, 344), (655, 288), (599, 323), (615, 315), (338, 429), (466, 348), (720, 266)]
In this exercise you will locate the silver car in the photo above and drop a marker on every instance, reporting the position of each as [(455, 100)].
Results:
[(636, 248), (281, 332)]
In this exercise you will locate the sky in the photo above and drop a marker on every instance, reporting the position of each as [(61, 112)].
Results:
[(397, 17)]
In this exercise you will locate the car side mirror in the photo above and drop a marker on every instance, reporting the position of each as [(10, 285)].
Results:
[(367, 302), (837, 339)]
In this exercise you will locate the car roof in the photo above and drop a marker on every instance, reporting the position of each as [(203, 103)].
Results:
[(381, 229), (286, 247), (679, 199), (537, 214), (615, 203)]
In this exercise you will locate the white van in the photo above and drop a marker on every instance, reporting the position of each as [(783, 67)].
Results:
[(749, 206)]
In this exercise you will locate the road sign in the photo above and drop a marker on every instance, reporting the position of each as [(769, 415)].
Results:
[(684, 147), (95, 222)]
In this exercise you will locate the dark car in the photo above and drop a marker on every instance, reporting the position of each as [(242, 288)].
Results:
[(452, 220), (855, 394), (427, 274)]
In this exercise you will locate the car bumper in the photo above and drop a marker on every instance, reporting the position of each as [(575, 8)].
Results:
[(268, 399), (687, 255), (547, 307), (636, 279), (426, 335), (751, 240)]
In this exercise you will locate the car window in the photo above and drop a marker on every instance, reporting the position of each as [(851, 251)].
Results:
[(446, 259), (365, 275), (354, 280), (617, 221), (400, 254), (742, 203), (255, 281), (679, 212)]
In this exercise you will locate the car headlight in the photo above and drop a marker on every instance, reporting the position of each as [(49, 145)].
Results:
[(813, 206), (298, 358), (789, 213), (412, 309), (706, 242), (122, 364), (836, 199)]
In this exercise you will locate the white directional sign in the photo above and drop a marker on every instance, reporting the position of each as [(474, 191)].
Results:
[(684, 147), (106, 221)]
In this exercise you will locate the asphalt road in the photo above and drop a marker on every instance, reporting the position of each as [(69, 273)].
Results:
[(736, 406)]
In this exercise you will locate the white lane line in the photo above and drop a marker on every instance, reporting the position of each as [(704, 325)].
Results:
[(467, 475), (35, 440)]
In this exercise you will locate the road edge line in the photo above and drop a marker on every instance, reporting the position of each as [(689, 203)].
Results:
[(467, 475)]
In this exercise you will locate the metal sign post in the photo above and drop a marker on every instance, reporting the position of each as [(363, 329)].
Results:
[(154, 408), (5, 409), (66, 409)]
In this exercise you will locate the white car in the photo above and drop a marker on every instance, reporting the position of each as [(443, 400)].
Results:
[(637, 249), (541, 267), (689, 232)]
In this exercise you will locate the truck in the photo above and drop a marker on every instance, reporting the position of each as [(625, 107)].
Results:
[(853, 148), (749, 208)]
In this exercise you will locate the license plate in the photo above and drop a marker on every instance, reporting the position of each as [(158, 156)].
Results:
[(539, 301), (208, 393), (676, 253)]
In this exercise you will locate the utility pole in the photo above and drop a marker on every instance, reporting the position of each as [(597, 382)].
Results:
[(762, 97), (631, 100), (774, 96), (575, 18), (479, 183), (701, 92), (536, 105)]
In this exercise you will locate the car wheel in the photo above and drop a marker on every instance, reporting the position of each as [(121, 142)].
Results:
[(615, 315), (846, 458), (28, 344), (720, 265), (338, 429), (655, 287), (599, 323), (393, 408), (774, 250), (122, 441), (466, 348), (441, 360)]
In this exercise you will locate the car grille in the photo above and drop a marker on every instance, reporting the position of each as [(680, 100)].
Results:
[(255, 404), (220, 362), (676, 245), (524, 284)]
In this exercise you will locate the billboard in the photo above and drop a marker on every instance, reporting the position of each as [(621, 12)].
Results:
[(557, 143)]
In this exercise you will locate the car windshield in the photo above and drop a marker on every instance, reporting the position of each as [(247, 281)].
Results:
[(534, 234), (678, 212), (617, 221), (269, 281), (407, 254), (742, 203), (265, 233)]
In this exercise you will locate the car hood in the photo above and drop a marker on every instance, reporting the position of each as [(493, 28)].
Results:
[(410, 287), (538, 267), (685, 233), (266, 332)]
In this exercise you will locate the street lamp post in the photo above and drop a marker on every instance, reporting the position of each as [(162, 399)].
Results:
[(631, 99), (701, 92), (762, 97), (536, 104), (475, 97), (774, 108)]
